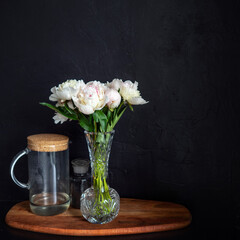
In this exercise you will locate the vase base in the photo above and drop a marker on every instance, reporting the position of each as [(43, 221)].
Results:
[(100, 210)]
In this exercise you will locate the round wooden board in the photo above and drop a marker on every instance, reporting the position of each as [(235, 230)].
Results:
[(135, 216)]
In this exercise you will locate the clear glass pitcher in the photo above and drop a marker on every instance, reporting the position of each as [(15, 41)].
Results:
[(48, 173)]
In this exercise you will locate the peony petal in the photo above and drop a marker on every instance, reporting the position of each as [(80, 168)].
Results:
[(115, 84), (65, 94), (85, 109), (137, 101), (53, 89), (130, 84), (113, 98), (59, 118), (70, 105), (53, 97)]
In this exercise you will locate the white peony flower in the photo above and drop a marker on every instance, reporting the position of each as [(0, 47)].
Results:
[(91, 97), (59, 118), (130, 93), (114, 98), (66, 90), (115, 84)]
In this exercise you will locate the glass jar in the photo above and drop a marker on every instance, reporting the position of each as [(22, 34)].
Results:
[(48, 173)]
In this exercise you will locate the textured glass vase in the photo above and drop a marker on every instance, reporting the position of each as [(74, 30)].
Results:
[(99, 203)]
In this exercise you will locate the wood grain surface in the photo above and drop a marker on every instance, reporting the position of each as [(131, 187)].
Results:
[(135, 216)]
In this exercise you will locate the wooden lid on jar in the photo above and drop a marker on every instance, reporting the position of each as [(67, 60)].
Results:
[(47, 142)]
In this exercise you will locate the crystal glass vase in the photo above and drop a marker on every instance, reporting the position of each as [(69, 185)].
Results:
[(99, 203)]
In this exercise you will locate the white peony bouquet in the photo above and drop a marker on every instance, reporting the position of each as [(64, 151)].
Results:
[(96, 106)]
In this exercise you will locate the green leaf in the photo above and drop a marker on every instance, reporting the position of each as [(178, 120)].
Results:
[(91, 123), (103, 125), (62, 110), (84, 122), (100, 117), (49, 106), (109, 114), (95, 117), (105, 110), (70, 111)]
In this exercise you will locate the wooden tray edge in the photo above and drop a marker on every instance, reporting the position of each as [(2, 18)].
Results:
[(98, 232)]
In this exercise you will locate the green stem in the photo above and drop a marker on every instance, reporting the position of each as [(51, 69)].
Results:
[(99, 175)]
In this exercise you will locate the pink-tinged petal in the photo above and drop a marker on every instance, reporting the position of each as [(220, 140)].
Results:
[(137, 101), (113, 98)]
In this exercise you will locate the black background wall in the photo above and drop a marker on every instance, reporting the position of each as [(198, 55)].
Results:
[(183, 145)]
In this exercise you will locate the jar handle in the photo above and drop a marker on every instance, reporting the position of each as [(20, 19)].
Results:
[(14, 161)]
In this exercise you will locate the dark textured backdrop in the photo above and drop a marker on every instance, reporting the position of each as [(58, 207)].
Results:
[(183, 145)]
